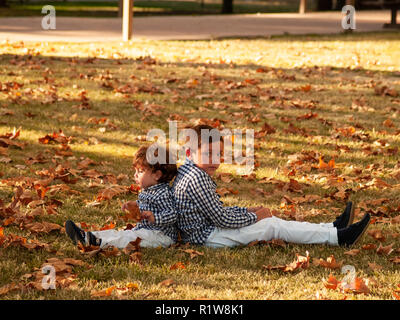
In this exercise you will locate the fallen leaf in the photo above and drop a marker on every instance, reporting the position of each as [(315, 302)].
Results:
[(331, 283), (178, 265), (352, 252), (193, 253), (385, 250), (374, 266), (330, 263), (167, 283), (302, 262), (103, 293)]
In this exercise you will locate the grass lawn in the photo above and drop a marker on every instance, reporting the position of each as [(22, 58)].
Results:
[(323, 98), (110, 8)]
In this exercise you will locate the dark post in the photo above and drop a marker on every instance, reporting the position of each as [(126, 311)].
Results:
[(227, 6)]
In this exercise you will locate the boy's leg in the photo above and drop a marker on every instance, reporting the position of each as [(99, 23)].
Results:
[(274, 228), (344, 220), (121, 238)]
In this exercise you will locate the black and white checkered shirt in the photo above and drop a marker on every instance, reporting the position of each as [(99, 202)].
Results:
[(160, 201), (199, 207)]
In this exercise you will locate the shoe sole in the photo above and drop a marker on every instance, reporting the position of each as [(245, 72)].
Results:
[(361, 234), (73, 233), (351, 217)]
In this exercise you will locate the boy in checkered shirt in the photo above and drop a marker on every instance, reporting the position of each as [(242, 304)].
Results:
[(156, 205), (204, 220)]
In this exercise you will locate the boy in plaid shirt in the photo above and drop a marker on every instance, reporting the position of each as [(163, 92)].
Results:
[(202, 218), (156, 205)]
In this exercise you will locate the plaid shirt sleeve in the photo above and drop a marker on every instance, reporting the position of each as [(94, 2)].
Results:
[(165, 213), (204, 195)]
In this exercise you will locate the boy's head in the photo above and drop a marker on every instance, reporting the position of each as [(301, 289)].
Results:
[(148, 172), (208, 148)]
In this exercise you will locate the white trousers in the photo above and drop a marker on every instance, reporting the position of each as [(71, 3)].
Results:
[(274, 228), (121, 238)]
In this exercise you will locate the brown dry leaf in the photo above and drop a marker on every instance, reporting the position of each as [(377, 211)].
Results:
[(294, 186), (377, 235), (167, 283), (108, 193), (103, 293), (388, 123), (89, 250), (329, 263), (395, 260), (9, 287), (193, 253), (331, 283), (352, 252), (224, 191), (42, 227), (302, 262), (131, 286), (374, 266), (225, 177), (133, 251), (385, 250), (110, 252), (369, 246), (357, 286)]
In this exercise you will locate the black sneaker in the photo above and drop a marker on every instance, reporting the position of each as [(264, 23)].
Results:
[(346, 218), (93, 240), (353, 233), (75, 233)]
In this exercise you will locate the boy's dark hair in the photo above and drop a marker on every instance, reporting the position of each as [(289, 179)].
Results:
[(198, 128), (168, 169)]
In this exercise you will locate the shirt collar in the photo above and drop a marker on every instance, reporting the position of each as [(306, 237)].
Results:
[(156, 187), (190, 163)]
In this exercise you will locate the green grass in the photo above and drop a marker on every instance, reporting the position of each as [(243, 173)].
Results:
[(110, 9), (340, 69)]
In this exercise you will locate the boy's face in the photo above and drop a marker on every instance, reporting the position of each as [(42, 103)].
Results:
[(205, 161), (145, 177)]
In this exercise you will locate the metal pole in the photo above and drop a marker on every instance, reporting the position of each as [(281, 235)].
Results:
[(302, 7), (127, 20)]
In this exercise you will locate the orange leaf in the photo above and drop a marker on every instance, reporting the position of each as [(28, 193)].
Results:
[(329, 263), (178, 265), (109, 226), (360, 286), (331, 283)]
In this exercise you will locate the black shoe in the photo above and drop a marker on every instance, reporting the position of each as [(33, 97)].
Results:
[(93, 240), (346, 218), (353, 233), (75, 233)]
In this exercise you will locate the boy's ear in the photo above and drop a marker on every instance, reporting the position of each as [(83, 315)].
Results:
[(158, 174)]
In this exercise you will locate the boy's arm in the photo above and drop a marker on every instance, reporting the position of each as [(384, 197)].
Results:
[(207, 200), (165, 213)]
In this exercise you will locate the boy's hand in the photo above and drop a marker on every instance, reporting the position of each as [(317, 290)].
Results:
[(263, 213), (148, 215), (132, 210), (129, 206)]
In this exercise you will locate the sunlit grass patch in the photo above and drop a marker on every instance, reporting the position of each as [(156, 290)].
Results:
[(322, 95)]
